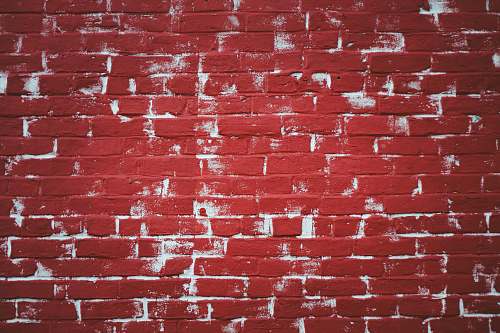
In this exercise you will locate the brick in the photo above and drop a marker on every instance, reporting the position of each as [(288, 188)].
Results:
[(111, 309), (129, 6), (235, 126), (58, 310), (249, 166), (177, 309), (345, 61), (384, 63), (72, 6)]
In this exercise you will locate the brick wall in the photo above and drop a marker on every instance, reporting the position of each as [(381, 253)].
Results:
[(249, 166)]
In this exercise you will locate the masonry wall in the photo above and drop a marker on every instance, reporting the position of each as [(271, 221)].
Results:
[(249, 166)]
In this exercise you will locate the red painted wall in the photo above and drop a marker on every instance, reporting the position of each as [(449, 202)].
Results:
[(249, 166)]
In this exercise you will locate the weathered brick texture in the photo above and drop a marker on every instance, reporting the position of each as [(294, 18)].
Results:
[(249, 166)]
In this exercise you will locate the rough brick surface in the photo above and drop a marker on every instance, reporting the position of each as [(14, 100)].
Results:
[(249, 166)]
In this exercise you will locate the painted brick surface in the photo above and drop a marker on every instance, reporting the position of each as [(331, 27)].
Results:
[(249, 166)]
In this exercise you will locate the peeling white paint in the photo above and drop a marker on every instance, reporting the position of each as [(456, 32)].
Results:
[(417, 190), (42, 271), (132, 88), (216, 166), (16, 211), (324, 79), (449, 163), (359, 100), (312, 144), (233, 20), (373, 206), (164, 189), (229, 90), (208, 208), (437, 7), (393, 42), (32, 85), (401, 126), (283, 42), (210, 127), (138, 209), (353, 188), (177, 63)]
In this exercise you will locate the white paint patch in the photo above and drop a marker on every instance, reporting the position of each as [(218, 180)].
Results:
[(353, 188), (104, 84), (236, 4), (359, 101), (417, 190), (208, 208), (233, 326), (32, 85), (26, 127), (360, 233), (177, 63), (3, 82), (42, 271), (258, 80), (312, 144), (92, 90), (476, 270), (307, 227), (496, 60), (266, 225), (159, 262), (279, 21), (115, 107), (229, 90), (202, 81), (16, 211), (324, 79), (282, 42), (205, 190), (164, 188), (148, 128), (375, 146), (300, 187), (132, 88), (215, 166), (475, 119), (233, 20), (109, 64), (372, 206), (390, 42), (449, 163), (389, 86), (453, 221), (76, 169), (437, 7), (210, 127), (138, 209), (401, 126)]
